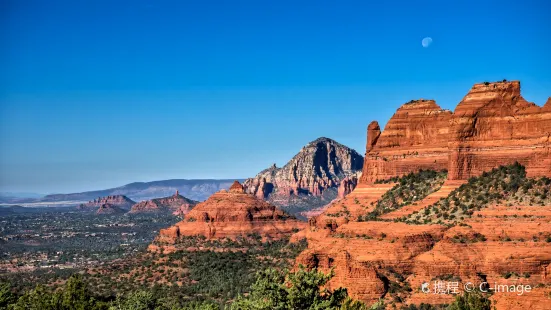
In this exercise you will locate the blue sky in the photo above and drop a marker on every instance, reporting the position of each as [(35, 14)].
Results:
[(96, 94)]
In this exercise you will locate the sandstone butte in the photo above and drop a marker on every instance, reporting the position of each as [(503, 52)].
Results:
[(493, 125), (230, 214), (107, 208), (177, 204), (120, 201)]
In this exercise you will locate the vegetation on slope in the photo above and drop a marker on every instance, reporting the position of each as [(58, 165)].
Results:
[(503, 185), (409, 188), (217, 270), (273, 289)]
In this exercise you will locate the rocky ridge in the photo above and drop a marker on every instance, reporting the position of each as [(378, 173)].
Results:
[(109, 209), (493, 125), (177, 204), (481, 236), (310, 179), (119, 201)]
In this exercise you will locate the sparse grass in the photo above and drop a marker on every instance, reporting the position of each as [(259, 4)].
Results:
[(505, 184)]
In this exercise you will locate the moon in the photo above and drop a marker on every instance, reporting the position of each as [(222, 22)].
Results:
[(426, 42)]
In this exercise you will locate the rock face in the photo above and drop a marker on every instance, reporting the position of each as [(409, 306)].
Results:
[(119, 201), (347, 186), (494, 242), (109, 209), (315, 172), (493, 125), (416, 137), (176, 204), (232, 214), (505, 244)]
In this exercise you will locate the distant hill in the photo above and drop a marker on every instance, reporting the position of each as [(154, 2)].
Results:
[(194, 189), (165, 204), (16, 209)]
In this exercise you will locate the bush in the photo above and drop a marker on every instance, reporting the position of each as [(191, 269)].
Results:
[(471, 301), (299, 290)]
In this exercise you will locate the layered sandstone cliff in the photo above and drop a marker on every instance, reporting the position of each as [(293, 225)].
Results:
[(232, 214), (310, 179), (176, 204), (491, 246), (508, 244), (493, 125), (416, 137), (119, 201)]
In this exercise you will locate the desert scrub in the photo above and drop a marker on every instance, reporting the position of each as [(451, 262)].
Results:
[(409, 188), (505, 184)]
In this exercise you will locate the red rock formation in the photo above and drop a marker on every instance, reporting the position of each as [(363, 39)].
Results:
[(177, 204), (423, 253), (493, 125), (109, 209), (120, 201), (361, 201), (347, 186), (232, 214), (547, 106), (236, 187), (373, 133), (184, 209), (416, 137)]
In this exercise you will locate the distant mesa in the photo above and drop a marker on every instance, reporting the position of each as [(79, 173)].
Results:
[(310, 179), (176, 204), (119, 201), (110, 209), (232, 214)]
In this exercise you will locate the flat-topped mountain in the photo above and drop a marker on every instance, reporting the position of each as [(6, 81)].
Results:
[(119, 201), (310, 179), (176, 203), (232, 214)]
